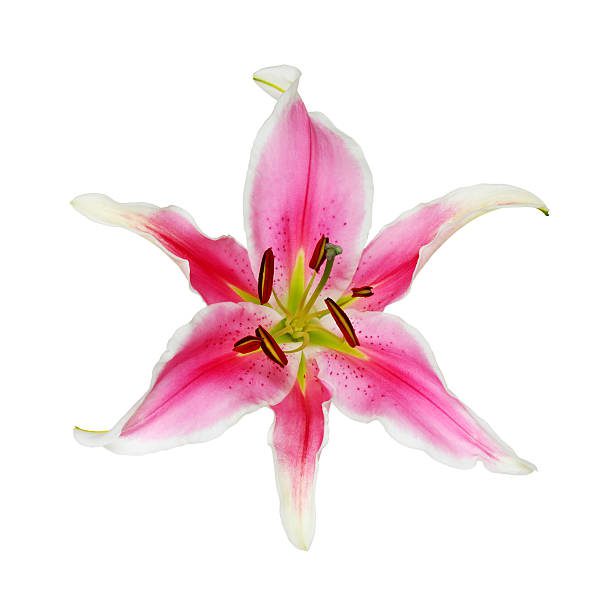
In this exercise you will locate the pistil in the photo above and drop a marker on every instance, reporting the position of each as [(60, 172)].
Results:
[(331, 252)]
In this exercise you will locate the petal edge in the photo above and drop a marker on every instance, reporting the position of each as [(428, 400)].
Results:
[(305, 179), (297, 437), (218, 269), (399, 251), (200, 386), (400, 385)]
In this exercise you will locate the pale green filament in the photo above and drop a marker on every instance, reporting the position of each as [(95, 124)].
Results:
[(280, 304), (343, 301), (306, 291)]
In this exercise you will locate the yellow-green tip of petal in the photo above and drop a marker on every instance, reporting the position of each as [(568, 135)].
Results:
[(545, 210), (95, 431), (268, 83)]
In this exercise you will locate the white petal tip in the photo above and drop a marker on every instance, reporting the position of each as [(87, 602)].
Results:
[(512, 465), (91, 202), (300, 542), (479, 199), (88, 437), (298, 527), (101, 208)]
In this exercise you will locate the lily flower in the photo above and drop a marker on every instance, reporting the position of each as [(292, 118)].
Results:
[(295, 321)]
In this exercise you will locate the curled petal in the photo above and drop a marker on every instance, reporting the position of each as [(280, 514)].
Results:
[(399, 251), (201, 386), (398, 383), (306, 179), (218, 269), (276, 80), (297, 437)]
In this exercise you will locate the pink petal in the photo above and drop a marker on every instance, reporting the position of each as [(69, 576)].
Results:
[(213, 266), (201, 386), (297, 437), (306, 179), (399, 251), (398, 383)]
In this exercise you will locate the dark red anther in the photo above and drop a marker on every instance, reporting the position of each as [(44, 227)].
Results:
[(362, 291), (343, 322), (318, 255), (270, 347), (266, 277), (248, 344)]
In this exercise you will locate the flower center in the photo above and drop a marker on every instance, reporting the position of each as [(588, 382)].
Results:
[(301, 322)]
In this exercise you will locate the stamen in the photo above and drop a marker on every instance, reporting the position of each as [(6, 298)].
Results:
[(306, 291), (270, 347), (248, 344), (318, 255), (280, 303), (343, 322), (362, 291), (266, 277)]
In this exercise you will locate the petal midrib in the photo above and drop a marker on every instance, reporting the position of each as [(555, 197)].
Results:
[(306, 206), (382, 366), (201, 371)]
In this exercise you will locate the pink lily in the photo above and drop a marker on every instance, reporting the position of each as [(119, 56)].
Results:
[(295, 322)]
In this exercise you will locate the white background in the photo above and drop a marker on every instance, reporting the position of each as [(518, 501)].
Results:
[(149, 101)]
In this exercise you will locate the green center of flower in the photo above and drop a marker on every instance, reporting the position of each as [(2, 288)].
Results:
[(301, 322)]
